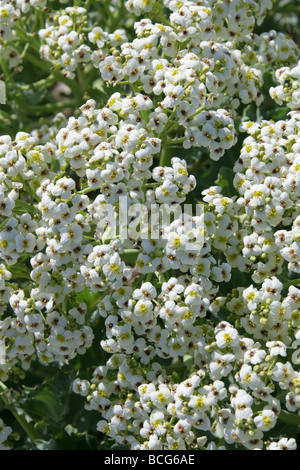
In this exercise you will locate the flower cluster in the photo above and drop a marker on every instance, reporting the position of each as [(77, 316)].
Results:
[(288, 90), (288, 243), (8, 16), (155, 411), (64, 40)]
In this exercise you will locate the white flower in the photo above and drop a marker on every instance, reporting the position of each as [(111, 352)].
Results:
[(146, 291), (250, 378), (227, 337), (242, 403), (283, 444), (81, 387), (277, 348), (266, 420), (220, 366), (110, 69)]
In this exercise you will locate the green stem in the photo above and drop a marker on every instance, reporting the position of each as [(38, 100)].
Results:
[(38, 20), (169, 126), (174, 143), (13, 285), (164, 157), (24, 51), (32, 433), (197, 112), (82, 191), (29, 38), (32, 194), (149, 277), (5, 70), (160, 276)]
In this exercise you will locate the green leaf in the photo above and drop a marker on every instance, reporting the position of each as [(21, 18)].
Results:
[(225, 180), (291, 418), (24, 207), (88, 298), (34, 96), (71, 439), (20, 271), (281, 113), (45, 403)]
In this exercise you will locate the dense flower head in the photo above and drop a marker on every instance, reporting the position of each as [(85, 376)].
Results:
[(149, 223)]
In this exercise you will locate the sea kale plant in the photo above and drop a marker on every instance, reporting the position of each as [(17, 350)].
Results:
[(149, 224)]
